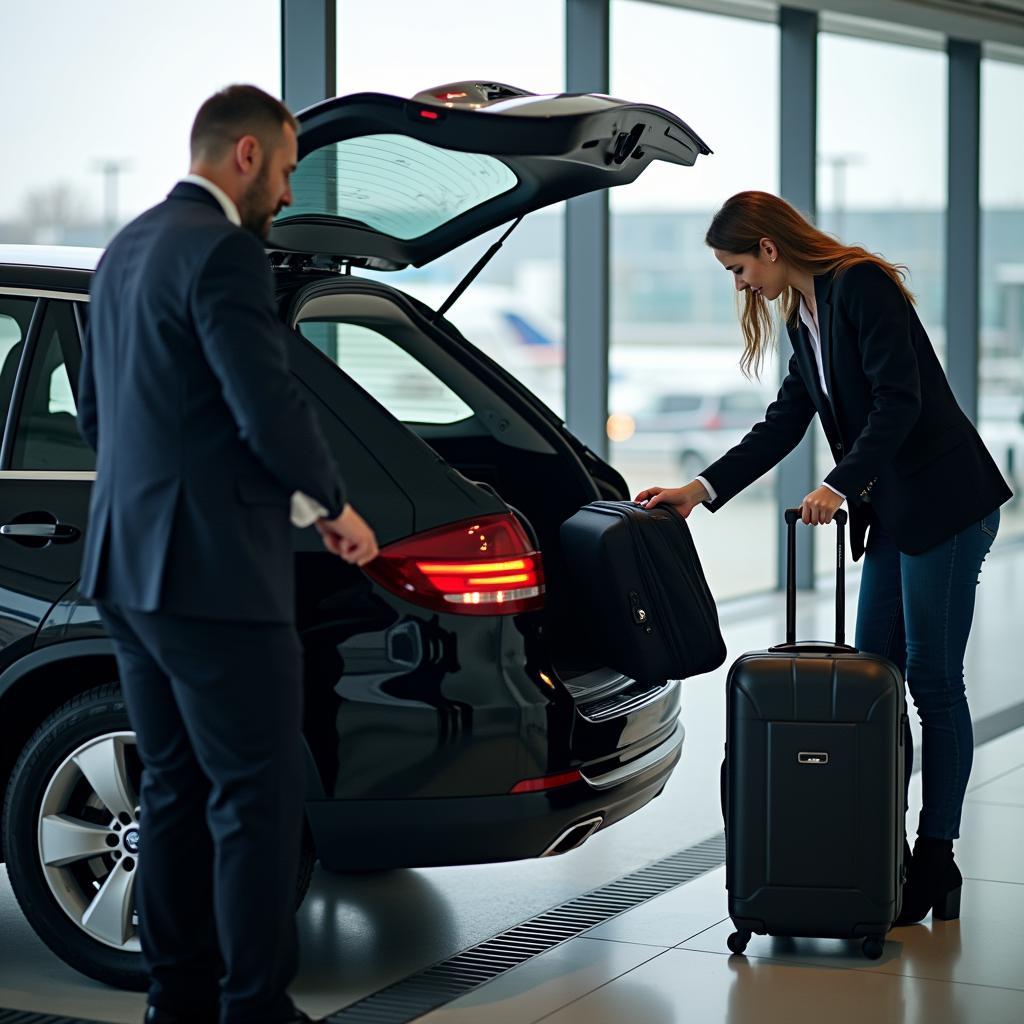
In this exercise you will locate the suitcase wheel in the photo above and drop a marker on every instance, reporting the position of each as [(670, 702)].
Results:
[(737, 942), (873, 946)]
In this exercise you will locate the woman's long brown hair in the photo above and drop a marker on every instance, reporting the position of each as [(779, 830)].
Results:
[(738, 228)]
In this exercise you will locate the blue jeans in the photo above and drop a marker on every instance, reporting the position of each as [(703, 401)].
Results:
[(916, 610)]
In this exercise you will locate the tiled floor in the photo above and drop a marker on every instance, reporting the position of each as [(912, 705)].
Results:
[(665, 960)]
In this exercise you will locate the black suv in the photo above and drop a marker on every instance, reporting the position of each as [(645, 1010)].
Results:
[(455, 711)]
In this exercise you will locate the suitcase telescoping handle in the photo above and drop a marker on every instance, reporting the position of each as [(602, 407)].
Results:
[(792, 518)]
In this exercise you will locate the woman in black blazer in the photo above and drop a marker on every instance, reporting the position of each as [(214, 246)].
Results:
[(909, 463)]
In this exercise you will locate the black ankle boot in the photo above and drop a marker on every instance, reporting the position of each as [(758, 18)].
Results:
[(933, 883)]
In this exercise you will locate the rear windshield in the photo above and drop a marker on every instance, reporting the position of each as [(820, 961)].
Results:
[(394, 184)]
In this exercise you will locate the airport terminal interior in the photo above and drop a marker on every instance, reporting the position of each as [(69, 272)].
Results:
[(892, 124)]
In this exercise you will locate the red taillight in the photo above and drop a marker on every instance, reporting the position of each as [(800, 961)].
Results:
[(430, 115), (484, 566), (547, 782), (713, 422)]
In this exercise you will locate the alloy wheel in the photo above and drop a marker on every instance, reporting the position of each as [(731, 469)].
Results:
[(88, 838)]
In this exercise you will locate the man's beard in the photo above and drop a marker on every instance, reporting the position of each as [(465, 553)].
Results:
[(255, 207)]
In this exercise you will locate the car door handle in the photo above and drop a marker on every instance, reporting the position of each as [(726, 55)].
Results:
[(59, 533)]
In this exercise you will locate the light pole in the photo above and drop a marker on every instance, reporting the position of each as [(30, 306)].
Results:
[(839, 162), (111, 171)]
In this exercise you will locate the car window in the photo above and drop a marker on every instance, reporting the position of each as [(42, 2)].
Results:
[(747, 402), (403, 385), (740, 410), (46, 435), (680, 403), (15, 316)]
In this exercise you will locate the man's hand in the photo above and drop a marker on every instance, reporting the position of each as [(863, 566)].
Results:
[(818, 508), (680, 499), (349, 536)]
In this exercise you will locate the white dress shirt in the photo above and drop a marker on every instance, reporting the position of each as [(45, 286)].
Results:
[(811, 323), (304, 511)]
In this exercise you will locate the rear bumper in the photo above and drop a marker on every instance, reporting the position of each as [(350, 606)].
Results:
[(353, 835)]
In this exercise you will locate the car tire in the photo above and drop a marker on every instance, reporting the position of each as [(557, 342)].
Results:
[(691, 463), (52, 806)]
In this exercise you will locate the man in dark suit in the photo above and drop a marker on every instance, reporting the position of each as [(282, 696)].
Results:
[(205, 448)]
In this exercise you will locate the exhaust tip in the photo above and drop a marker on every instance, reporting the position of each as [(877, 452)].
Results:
[(574, 836)]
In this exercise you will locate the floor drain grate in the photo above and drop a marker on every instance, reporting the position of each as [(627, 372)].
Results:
[(420, 993)]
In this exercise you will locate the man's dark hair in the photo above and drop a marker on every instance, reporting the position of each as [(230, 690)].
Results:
[(233, 112)]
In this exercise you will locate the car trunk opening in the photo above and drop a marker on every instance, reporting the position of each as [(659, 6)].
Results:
[(478, 420)]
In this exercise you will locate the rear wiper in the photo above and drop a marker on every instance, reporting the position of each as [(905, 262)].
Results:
[(474, 271)]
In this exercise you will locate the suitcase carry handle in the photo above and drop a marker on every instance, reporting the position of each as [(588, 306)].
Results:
[(793, 517)]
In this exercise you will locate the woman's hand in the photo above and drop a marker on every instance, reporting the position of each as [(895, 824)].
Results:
[(818, 508), (680, 499)]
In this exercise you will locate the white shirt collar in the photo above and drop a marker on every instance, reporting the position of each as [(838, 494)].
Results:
[(810, 322), (812, 329), (226, 203), (805, 315)]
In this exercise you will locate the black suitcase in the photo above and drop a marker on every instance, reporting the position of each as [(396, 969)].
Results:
[(642, 591), (813, 784)]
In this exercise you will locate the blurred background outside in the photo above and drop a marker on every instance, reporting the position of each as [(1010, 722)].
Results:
[(677, 398)]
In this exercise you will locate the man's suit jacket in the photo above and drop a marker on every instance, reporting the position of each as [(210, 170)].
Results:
[(201, 431), (906, 455)]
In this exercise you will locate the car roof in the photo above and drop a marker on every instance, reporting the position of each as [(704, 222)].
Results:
[(64, 257)]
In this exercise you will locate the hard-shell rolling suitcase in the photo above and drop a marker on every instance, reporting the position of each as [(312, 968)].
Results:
[(813, 785), (643, 595)]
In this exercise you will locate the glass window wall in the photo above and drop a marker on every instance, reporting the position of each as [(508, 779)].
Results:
[(1001, 369), (106, 106), (677, 397)]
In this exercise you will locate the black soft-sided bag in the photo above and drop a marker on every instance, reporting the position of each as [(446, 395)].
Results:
[(641, 591), (813, 785)]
